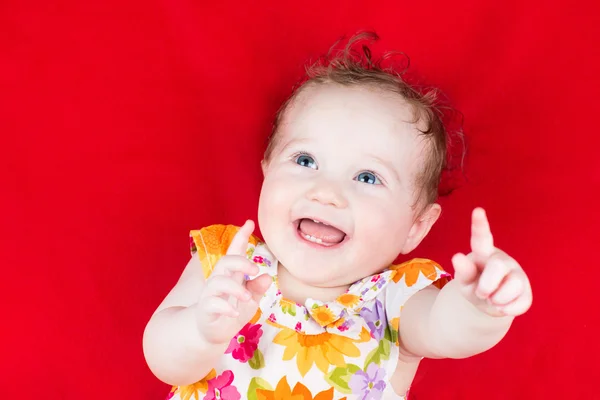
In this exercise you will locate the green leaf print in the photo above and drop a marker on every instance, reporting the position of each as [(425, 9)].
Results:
[(289, 308), (382, 352), (387, 334), (391, 334), (394, 335), (257, 361), (385, 345), (257, 383), (340, 376)]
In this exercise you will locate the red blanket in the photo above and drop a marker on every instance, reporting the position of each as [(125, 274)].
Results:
[(125, 124)]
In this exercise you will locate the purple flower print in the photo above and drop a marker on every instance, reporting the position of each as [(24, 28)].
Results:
[(368, 385), (375, 319), (381, 282), (347, 324), (244, 344), (221, 388)]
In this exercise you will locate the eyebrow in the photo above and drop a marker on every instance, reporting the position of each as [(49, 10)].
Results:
[(292, 142), (388, 166)]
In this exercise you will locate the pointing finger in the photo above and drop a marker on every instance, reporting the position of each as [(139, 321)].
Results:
[(239, 244), (482, 241)]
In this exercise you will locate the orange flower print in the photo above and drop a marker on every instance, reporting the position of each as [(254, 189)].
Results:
[(348, 300), (256, 317), (300, 392), (212, 242), (411, 270), (194, 391), (322, 315)]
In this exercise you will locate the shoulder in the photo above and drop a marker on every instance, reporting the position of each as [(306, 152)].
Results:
[(409, 278), (210, 243), (215, 238), (418, 273)]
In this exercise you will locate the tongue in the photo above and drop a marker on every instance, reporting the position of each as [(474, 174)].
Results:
[(328, 234)]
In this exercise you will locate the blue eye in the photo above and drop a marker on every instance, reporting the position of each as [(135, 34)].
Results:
[(369, 178), (306, 161)]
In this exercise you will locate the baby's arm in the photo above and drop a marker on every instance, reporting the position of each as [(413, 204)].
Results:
[(443, 324), (472, 313), (173, 347), (194, 324)]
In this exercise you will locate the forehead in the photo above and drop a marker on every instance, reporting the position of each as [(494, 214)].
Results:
[(357, 119)]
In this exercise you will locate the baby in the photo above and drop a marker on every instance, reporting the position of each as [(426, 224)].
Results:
[(318, 310)]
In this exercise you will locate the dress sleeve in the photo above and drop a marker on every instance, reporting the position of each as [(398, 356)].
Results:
[(209, 244), (407, 279)]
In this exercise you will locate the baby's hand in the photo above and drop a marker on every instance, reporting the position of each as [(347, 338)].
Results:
[(490, 278), (228, 302)]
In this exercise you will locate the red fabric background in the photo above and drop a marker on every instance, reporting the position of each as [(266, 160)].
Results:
[(125, 123)]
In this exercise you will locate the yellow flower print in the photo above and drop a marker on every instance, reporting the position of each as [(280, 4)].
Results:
[(300, 392), (348, 300), (322, 315), (411, 270), (196, 390), (324, 349)]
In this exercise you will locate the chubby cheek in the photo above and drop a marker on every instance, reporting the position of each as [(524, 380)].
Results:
[(274, 204), (381, 232)]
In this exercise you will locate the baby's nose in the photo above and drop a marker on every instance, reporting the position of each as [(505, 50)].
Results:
[(327, 193)]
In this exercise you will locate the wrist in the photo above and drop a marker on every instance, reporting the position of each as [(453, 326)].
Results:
[(476, 313), (202, 328)]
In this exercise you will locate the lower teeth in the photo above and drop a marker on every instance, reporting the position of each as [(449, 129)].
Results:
[(313, 239)]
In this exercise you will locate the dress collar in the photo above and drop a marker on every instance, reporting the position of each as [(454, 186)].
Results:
[(316, 316)]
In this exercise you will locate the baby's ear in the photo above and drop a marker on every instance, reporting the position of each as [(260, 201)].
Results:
[(421, 227), (263, 166)]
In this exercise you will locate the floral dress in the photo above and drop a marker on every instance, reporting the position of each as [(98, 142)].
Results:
[(343, 349)]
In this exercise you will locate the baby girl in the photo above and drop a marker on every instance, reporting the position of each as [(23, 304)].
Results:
[(318, 309)]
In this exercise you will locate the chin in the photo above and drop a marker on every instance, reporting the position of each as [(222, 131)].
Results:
[(315, 277)]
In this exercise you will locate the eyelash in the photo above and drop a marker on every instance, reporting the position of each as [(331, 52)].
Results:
[(372, 173), (299, 154)]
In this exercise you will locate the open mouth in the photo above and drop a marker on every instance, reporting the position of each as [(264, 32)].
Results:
[(319, 232)]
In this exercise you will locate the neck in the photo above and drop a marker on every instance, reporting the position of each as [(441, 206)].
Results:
[(297, 291)]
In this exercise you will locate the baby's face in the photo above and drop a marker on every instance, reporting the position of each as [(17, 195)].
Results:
[(345, 158)]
